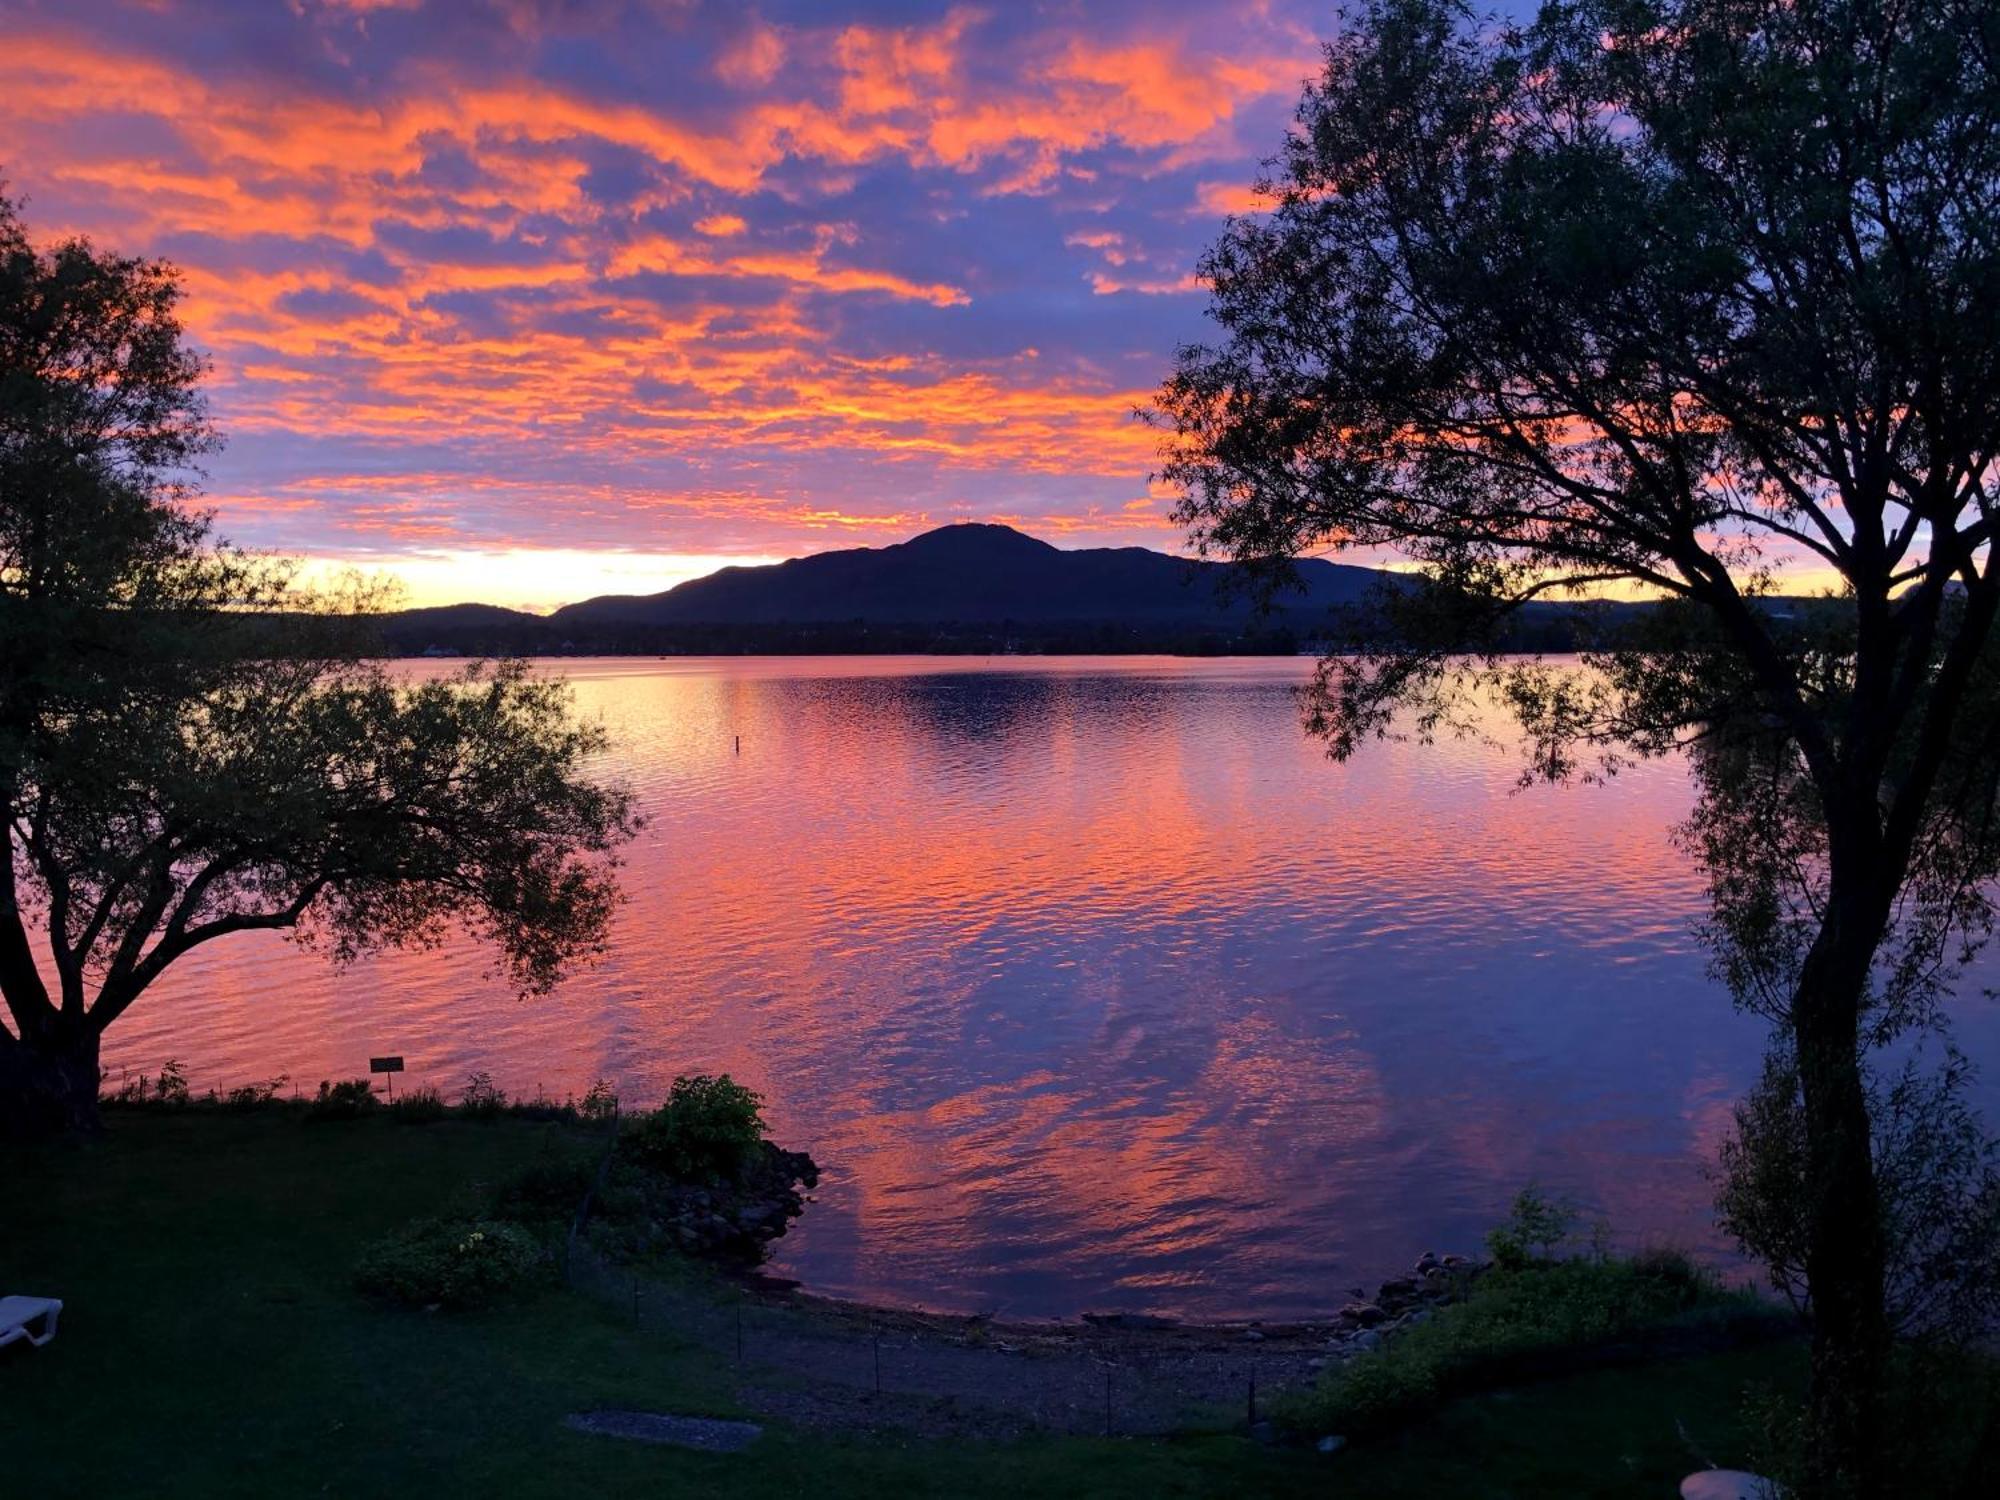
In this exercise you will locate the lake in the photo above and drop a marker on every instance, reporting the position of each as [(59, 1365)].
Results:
[(1091, 982)]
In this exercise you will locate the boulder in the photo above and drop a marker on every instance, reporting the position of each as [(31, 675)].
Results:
[(1729, 1484)]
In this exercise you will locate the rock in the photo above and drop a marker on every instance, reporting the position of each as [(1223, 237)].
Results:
[(1363, 1314), (1368, 1338), (1254, 1335), (1332, 1443), (1426, 1263), (1315, 1365), (1404, 1286), (1729, 1484), (1452, 1262)]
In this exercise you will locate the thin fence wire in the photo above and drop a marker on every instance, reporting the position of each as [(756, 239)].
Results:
[(842, 1368)]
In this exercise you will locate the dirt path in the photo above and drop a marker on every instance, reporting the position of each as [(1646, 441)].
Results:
[(843, 1365)]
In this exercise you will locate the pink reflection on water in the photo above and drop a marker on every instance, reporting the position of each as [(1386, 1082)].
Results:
[(1092, 982)]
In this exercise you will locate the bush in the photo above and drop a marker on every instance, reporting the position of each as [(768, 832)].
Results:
[(706, 1131), (420, 1106), (1539, 1318), (255, 1095), (600, 1104), (1940, 1431), (454, 1263), (347, 1100), (1535, 1228), (546, 1192), (170, 1088), (482, 1099)]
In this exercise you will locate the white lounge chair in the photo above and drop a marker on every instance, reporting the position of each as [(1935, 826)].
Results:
[(16, 1313)]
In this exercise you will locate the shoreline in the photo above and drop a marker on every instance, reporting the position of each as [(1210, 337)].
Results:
[(1361, 1324)]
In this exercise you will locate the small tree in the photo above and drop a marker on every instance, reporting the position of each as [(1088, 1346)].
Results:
[(187, 751), (1650, 294)]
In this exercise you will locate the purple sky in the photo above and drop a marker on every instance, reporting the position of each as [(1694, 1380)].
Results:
[(529, 299)]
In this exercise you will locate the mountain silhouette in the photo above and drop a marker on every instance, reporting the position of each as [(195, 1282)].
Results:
[(974, 573)]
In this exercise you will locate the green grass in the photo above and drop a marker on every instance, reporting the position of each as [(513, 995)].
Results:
[(213, 1346), (1542, 1318)]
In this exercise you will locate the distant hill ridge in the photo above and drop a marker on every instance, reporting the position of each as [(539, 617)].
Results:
[(971, 587), (971, 572)]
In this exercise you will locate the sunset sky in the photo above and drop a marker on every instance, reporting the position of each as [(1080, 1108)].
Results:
[(526, 300)]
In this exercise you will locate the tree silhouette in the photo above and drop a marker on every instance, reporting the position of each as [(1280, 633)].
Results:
[(188, 751), (1655, 293)]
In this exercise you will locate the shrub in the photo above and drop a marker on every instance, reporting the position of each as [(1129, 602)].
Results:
[(170, 1088), (347, 1100), (1940, 1432), (545, 1192), (482, 1099), (1534, 1229), (706, 1131), (255, 1095), (453, 1263), (600, 1103), (420, 1106), (1538, 1318)]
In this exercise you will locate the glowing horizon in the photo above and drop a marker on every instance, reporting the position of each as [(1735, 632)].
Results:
[(524, 301)]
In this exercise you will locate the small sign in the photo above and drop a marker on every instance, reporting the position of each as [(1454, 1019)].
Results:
[(385, 1065)]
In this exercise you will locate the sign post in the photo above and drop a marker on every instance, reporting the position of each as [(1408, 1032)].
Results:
[(390, 1066)]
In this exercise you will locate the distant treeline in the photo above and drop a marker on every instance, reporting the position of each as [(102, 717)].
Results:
[(422, 632)]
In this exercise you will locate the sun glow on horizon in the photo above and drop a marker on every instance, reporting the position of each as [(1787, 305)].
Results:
[(537, 580)]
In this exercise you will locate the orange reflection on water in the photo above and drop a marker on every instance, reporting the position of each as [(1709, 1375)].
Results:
[(1091, 982)]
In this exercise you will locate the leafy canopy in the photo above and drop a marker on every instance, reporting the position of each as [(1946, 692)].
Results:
[(192, 747)]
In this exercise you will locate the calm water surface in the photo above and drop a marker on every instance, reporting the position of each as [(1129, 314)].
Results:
[(1092, 982)]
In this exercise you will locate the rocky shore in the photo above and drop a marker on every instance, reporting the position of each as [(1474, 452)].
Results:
[(1358, 1325), (856, 1366)]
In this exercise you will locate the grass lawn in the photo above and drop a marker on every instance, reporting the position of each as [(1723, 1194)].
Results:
[(212, 1346)]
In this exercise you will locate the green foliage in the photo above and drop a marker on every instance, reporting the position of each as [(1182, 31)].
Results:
[(482, 1098), (1539, 1318), (1535, 1227), (1937, 1175), (1941, 1430), (419, 1106), (192, 747), (545, 1193), (706, 1130), (413, 1407), (348, 1099), (458, 1264)]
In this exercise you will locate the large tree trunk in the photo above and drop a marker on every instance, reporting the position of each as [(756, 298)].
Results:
[(49, 1082), (1845, 1252)]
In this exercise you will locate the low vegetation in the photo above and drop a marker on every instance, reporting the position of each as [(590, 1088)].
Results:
[(1543, 1309), (1530, 1321), (459, 1264), (185, 1229), (709, 1129)]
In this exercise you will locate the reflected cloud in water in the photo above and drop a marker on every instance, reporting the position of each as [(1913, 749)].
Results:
[(1092, 982)]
